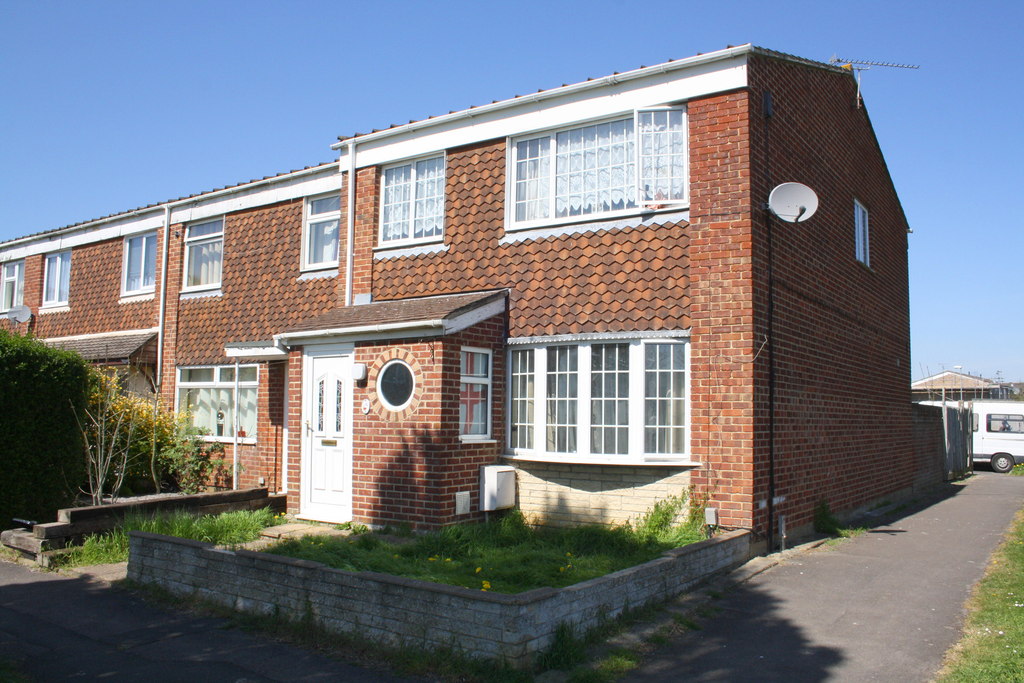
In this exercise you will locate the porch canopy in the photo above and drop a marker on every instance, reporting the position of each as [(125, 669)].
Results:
[(421, 317), (113, 348)]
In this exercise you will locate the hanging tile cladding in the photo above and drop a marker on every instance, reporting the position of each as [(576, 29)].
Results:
[(601, 281), (261, 292), (93, 296)]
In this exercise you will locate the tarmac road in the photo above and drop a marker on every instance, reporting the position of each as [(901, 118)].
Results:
[(56, 628), (883, 606)]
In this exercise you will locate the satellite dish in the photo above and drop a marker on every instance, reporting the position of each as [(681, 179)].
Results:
[(793, 202), (19, 314)]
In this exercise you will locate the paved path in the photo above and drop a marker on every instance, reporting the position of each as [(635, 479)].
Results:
[(57, 628), (884, 606)]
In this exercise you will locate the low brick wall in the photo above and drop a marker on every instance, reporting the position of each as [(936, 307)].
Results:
[(401, 611)]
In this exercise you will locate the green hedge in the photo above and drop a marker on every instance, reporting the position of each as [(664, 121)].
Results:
[(41, 457)]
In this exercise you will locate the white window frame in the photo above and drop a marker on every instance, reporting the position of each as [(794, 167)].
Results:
[(380, 393), (12, 272), (62, 260), (191, 242), (584, 423), (862, 233), (642, 205), (144, 289), (310, 219), (234, 385), (479, 381), (406, 241)]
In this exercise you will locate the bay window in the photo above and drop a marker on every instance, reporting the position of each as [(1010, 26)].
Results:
[(218, 401), (614, 400), (12, 285), (412, 202), (610, 167)]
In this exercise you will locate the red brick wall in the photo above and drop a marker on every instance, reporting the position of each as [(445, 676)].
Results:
[(843, 412), (723, 343), (262, 460), (408, 465)]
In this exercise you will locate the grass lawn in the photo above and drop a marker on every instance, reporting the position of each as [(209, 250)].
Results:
[(993, 645), (506, 555), (225, 529)]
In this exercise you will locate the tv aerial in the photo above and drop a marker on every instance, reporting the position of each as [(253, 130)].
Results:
[(19, 314), (793, 202), (860, 65)]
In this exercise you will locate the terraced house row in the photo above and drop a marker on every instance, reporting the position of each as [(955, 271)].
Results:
[(567, 291)]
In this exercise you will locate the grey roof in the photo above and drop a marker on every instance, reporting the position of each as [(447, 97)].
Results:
[(114, 347)]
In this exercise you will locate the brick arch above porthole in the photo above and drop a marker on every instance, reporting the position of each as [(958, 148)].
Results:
[(379, 406)]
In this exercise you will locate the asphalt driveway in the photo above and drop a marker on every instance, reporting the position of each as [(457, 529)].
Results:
[(884, 606)]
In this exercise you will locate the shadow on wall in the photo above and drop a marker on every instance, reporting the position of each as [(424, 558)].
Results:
[(402, 485)]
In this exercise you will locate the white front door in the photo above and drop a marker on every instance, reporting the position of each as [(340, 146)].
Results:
[(327, 444)]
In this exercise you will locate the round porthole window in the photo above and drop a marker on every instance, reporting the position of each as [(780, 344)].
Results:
[(395, 384)]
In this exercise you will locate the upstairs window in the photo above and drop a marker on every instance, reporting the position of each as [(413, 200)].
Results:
[(320, 244), (139, 266), (204, 245), (861, 233), (412, 202), (57, 279), (611, 167), (12, 285)]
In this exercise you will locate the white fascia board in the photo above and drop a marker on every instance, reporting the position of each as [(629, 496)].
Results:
[(254, 352), (217, 203), (477, 315), (247, 198), (414, 328), (112, 230), (97, 335), (599, 336), (551, 109)]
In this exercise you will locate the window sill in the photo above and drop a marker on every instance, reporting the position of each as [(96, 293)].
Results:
[(318, 272), (560, 459), (408, 249), (594, 222), (133, 298), (474, 440), (200, 293), (243, 440), (54, 308)]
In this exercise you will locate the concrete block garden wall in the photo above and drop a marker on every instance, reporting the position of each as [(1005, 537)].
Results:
[(408, 612)]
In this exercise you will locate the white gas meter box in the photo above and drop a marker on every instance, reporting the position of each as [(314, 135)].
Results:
[(497, 487)]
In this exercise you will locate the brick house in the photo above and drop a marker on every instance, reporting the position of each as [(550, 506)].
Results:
[(572, 283)]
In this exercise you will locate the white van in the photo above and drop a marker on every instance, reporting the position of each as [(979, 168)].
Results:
[(998, 433)]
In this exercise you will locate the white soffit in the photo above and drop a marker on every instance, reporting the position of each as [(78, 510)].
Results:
[(534, 114)]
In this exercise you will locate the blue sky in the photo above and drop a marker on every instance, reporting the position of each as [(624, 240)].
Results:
[(107, 106)]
